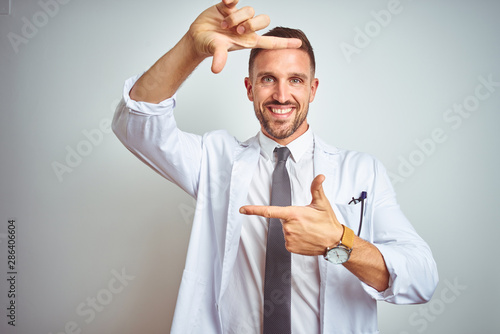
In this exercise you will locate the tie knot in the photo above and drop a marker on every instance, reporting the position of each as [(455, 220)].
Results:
[(282, 153)]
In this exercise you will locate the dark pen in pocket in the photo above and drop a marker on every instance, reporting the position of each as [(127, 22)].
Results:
[(356, 201)]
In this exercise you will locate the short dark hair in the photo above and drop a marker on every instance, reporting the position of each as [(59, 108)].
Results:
[(286, 33)]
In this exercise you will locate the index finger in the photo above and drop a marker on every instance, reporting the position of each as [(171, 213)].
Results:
[(280, 212), (271, 42)]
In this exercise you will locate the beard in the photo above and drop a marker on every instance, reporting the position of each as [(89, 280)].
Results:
[(280, 129)]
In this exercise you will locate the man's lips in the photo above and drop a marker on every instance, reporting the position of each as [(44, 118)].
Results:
[(280, 110)]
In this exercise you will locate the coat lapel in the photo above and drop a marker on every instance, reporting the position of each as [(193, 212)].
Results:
[(246, 157), (326, 161)]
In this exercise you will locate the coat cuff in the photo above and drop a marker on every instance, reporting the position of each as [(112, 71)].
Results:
[(408, 284), (146, 108)]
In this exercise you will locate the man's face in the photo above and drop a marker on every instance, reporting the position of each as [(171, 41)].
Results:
[(281, 86)]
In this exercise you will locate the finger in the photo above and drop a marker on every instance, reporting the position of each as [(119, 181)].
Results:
[(238, 17), (230, 3), (269, 42), (280, 212), (256, 23), (219, 59), (226, 7), (317, 191)]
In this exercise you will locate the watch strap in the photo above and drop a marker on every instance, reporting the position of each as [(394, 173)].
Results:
[(347, 237)]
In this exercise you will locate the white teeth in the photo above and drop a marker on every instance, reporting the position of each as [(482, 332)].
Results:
[(281, 111)]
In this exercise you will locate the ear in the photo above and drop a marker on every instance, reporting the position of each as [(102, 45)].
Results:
[(248, 85), (314, 88)]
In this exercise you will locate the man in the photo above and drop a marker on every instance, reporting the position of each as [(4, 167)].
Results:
[(224, 285)]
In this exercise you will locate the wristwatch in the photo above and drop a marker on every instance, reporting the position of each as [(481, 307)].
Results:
[(342, 251)]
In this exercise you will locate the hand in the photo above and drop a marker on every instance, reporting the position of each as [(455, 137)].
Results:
[(223, 27), (308, 230)]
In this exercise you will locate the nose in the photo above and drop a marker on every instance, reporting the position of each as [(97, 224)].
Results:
[(282, 92)]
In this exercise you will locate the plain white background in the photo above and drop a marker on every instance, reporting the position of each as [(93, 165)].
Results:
[(83, 222)]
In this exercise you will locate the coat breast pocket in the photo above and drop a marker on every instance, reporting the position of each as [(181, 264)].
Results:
[(351, 216)]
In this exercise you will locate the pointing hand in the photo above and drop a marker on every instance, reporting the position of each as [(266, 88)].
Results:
[(308, 230)]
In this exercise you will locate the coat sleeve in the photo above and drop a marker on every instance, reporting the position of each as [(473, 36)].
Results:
[(150, 132), (412, 269)]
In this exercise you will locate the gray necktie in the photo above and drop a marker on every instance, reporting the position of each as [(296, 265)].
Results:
[(277, 287)]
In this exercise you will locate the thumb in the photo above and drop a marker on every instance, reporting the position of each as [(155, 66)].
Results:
[(318, 195), (219, 59)]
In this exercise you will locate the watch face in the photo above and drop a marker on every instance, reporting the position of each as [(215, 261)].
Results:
[(338, 255)]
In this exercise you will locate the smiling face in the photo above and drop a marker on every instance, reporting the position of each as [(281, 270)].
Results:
[(281, 86)]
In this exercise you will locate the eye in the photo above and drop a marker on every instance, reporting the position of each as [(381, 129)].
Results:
[(267, 79), (296, 81)]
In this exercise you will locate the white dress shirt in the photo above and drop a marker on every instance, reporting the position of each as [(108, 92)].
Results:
[(243, 300)]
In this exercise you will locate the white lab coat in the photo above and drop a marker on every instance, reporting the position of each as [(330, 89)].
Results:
[(216, 169)]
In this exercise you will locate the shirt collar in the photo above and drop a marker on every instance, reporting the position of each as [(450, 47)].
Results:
[(297, 147)]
